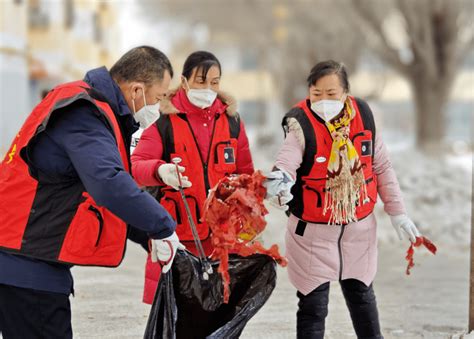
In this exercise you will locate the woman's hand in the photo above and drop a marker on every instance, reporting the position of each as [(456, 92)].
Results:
[(169, 175), (401, 223), (278, 185)]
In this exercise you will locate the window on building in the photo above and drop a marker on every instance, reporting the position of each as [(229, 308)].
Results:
[(38, 16), (249, 60), (98, 34), (252, 112), (68, 13)]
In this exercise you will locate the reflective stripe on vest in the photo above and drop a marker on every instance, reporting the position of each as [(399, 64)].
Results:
[(309, 189), (57, 222)]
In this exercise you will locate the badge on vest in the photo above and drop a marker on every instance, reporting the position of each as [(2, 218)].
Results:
[(229, 157), (366, 148)]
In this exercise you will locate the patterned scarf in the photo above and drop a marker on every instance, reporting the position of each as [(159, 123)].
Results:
[(345, 185)]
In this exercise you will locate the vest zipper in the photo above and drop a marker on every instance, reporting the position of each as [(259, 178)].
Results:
[(101, 222), (339, 247), (204, 164)]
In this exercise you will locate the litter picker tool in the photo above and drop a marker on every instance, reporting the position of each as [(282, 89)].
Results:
[(206, 265)]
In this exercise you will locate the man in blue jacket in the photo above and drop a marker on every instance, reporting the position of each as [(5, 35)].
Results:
[(78, 147)]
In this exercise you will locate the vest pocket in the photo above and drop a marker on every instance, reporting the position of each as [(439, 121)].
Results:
[(85, 230), (365, 149), (313, 197), (172, 206), (173, 203), (225, 156)]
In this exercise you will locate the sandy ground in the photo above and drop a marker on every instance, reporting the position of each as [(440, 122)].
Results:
[(431, 303)]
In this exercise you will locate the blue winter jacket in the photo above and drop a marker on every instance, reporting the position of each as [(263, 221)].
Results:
[(77, 145)]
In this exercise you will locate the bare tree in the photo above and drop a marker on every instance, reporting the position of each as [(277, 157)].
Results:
[(288, 37), (438, 35), (316, 32)]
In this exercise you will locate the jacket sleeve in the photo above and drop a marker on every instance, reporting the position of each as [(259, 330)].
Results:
[(290, 155), (244, 157), (146, 158), (387, 184), (93, 152)]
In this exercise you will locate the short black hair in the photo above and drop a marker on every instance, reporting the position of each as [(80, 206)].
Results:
[(144, 63), (328, 67), (201, 60)]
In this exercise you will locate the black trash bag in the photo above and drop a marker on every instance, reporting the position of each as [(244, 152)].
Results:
[(187, 306)]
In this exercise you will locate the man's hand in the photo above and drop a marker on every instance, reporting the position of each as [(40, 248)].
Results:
[(164, 250)]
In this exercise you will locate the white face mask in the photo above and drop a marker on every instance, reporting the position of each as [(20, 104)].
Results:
[(327, 109), (148, 114), (202, 98)]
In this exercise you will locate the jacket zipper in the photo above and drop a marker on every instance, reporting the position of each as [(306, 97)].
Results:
[(204, 164), (339, 247), (101, 222)]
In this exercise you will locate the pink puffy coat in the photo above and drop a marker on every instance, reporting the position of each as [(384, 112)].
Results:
[(315, 258)]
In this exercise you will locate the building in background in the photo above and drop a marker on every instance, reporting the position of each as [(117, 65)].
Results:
[(67, 38), (44, 43), (14, 77)]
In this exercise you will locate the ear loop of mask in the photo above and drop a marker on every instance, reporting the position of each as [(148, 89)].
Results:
[(186, 82), (144, 100)]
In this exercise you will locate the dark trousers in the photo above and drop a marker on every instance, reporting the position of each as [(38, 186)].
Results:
[(360, 299), (32, 314)]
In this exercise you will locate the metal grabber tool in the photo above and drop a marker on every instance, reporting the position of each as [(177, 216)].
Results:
[(206, 265)]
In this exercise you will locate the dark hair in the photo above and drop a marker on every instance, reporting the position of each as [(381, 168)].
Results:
[(201, 60), (145, 64), (321, 69)]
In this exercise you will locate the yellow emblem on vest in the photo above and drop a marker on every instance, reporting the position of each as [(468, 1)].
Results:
[(11, 154)]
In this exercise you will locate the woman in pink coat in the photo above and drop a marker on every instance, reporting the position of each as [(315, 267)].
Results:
[(338, 164)]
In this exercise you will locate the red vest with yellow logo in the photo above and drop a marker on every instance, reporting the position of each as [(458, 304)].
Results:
[(57, 222), (179, 141), (310, 187)]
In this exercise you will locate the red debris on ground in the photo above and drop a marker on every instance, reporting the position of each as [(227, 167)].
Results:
[(234, 211), (411, 250)]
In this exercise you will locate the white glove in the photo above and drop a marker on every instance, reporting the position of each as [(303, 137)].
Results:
[(280, 201), (164, 250), (169, 176), (402, 222), (278, 184)]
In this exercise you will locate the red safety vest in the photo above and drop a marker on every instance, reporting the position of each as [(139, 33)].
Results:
[(179, 141), (309, 189), (57, 222)]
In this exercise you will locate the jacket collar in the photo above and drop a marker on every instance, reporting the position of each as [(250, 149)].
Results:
[(176, 102), (101, 80)]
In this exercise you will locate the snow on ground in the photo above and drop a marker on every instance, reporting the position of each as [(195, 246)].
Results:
[(437, 193), (430, 303)]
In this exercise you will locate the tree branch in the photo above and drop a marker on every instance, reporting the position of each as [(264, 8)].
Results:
[(382, 47)]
